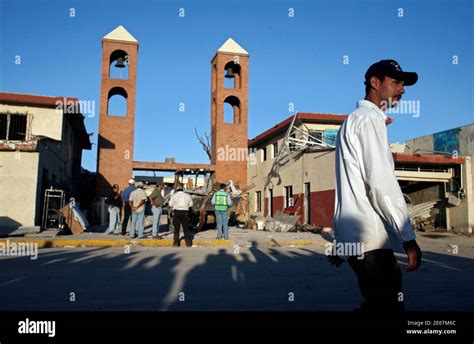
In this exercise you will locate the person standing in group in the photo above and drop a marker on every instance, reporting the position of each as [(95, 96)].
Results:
[(115, 203), (156, 200), (127, 210), (222, 201), (137, 204), (180, 202)]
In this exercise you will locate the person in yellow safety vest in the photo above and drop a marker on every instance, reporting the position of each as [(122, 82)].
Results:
[(222, 201)]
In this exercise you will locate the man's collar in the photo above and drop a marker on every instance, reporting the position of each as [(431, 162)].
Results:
[(369, 104)]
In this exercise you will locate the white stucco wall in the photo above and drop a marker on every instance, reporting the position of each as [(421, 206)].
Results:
[(18, 184), (44, 121)]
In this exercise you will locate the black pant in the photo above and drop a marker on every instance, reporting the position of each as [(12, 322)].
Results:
[(180, 217), (126, 217), (380, 280)]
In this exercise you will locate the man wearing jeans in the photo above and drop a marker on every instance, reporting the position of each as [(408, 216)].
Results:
[(156, 200), (221, 201), (370, 210), (127, 210), (137, 203), (115, 203)]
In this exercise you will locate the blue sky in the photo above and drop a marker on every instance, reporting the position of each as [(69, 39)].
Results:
[(295, 60)]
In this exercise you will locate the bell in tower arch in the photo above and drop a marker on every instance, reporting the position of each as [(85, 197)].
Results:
[(120, 63), (229, 73)]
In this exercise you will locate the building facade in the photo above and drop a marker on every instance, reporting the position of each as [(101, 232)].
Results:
[(453, 142), (41, 143), (304, 184)]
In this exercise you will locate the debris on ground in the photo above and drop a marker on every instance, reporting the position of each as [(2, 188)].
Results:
[(422, 224), (276, 243), (423, 216), (201, 195), (74, 218), (251, 223), (282, 222), (308, 228)]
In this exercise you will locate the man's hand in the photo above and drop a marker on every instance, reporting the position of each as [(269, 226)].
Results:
[(413, 254), (335, 260)]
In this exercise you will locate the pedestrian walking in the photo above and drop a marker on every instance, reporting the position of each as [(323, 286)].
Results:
[(370, 210)]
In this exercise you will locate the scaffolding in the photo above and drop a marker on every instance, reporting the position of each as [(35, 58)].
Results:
[(292, 146), (53, 201)]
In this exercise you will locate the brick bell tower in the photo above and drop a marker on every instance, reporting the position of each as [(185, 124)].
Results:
[(116, 130), (229, 97)]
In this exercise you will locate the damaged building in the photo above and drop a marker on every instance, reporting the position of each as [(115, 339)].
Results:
[(293, 170), (457, 191), (41, 143)]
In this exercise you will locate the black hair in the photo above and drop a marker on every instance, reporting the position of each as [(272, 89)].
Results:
[(222, 186), (367, 82)]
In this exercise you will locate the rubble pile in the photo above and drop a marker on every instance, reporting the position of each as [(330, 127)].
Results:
[(422, 216)]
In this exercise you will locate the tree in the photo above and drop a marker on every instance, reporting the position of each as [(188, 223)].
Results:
[(205, 143)]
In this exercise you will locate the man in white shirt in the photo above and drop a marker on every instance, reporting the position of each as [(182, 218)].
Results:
[(370, 210), (137, 203), (181, 202)]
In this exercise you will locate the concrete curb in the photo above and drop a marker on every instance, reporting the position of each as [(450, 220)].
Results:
[(61, 243), (294, 243)]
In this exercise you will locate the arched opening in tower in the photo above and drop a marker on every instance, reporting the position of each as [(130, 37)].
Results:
[(232, 75), (117, 102), (118, 65), (231, 110)]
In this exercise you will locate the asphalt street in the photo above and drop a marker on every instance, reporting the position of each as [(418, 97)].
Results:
[(234, 277)]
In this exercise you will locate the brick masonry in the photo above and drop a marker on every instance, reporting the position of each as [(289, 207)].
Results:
[(229, 136), (116, 134)]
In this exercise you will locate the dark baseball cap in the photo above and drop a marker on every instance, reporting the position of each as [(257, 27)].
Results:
[(392, 69)]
